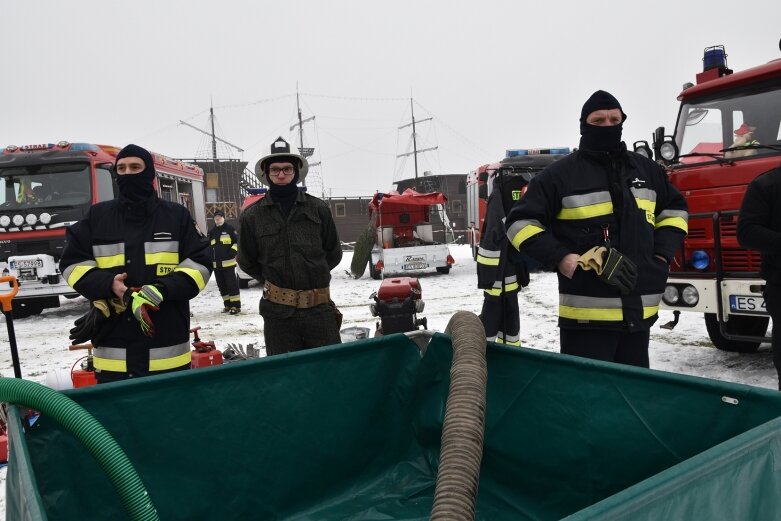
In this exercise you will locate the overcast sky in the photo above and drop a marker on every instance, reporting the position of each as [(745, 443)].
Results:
[(492, 75)]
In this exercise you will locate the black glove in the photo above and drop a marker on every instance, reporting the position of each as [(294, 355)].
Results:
[(619, 271), (93, 325)]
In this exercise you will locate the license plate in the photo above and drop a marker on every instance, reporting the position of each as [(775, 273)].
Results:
[(414, 266), (747, 304), (22, 264)]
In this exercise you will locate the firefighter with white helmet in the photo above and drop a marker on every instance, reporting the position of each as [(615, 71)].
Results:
[(289, 243)]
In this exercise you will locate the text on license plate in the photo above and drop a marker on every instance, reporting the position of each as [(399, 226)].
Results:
[(414, 266), (747, 304), (22, 264)]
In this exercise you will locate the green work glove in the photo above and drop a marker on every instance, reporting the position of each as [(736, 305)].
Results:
[(142, 300), (619, 271)]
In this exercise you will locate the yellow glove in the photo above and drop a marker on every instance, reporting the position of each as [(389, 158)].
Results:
[(593, 259)]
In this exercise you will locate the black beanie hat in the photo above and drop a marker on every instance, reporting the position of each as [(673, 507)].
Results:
[(600, 100), (141, 153), (220, 213)]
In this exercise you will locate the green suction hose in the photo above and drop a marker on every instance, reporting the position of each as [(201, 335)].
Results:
[(89, 432)]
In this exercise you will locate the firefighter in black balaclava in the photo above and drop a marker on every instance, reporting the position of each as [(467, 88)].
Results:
[(613, 214), (139, 260), (224, 244)]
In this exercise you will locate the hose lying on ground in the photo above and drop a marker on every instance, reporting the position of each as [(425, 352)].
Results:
[(455, 495), (89, 432)]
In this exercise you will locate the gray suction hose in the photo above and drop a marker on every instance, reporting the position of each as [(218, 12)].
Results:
[(455, 495), (92, 434)]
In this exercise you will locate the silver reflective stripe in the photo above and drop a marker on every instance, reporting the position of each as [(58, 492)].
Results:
[(203, 270), (161, 246), (651, 300), (512, 279), (576, 201), (108, 250), (160, 353), (517, 226), (67, 273), (644, 193), (501, 337), (493, 254), (683, 214), (110, 353), (581, 301)]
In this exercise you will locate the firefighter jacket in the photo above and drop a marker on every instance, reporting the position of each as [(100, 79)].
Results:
[(224, 244), (584, 199), (154, 242), (759, 223), (496, 271), (295, 252)]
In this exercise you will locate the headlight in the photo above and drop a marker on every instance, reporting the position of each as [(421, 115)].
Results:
[(671, 295), (642, 148), (31, 219), (700, 259), (5, 221), (668, 150), (690, 295), (18, 220), (45, 218)]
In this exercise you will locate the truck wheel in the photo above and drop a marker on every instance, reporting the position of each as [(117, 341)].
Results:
[(737, 325), (26, 309), (243, 283), (444, 270)]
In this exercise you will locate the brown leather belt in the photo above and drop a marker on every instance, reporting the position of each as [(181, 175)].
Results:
[(307, 298)]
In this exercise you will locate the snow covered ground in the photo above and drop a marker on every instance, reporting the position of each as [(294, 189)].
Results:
[(43, 340)]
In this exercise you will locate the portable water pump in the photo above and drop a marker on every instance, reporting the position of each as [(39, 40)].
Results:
[(397, 303)]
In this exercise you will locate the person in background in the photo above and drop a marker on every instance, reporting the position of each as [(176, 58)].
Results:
[(609, 221), (759, 228), (145, 257), (288, 242), (224, 243)]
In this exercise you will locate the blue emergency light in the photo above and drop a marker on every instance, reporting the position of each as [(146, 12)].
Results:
[(536, 151), (714, 58)]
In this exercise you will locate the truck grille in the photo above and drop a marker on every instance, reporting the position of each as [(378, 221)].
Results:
[(738, 259)]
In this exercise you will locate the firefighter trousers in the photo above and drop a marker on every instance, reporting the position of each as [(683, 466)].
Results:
[(229, 287), (501, 318), (621, 347)]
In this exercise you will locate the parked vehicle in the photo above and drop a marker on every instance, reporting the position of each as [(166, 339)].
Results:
[(406, 239), (45, 188), (711, 161)]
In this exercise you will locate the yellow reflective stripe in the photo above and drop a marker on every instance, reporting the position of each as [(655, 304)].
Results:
[(645, 204), (649, 311), (74, 273), (675, 222), (605, 314), (234, 298), (214, 241), (586, 212), (526, 232), (162, 257), (199, 274), (515, 343), (497, 292), (108, 364), (225, 240), (228, 264), (488, 261), (235, 247), (111, 261), (170, 363)]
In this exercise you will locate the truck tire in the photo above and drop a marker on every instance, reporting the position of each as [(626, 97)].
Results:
[(737, 325), (26, 308), (444, 270)]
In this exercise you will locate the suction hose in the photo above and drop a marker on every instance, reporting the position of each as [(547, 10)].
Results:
[(92, 434), (462, 432)]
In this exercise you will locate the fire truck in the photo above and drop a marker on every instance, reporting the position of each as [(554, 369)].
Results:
[(44, 188), (526, 162), (728, 132)]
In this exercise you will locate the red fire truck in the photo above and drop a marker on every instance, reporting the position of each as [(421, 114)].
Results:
[(44, 188), (479, 183), (728, 132)]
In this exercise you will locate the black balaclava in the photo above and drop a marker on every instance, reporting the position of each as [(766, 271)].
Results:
[(285, 195), (600, 139), (136, 187)]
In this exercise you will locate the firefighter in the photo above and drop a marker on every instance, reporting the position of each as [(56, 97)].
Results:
[(500, 273), (146, 256), (759, 228), (224, 243), (609, 221), (288, 242)]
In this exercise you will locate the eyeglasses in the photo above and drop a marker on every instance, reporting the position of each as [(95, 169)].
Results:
[(275, 170)]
